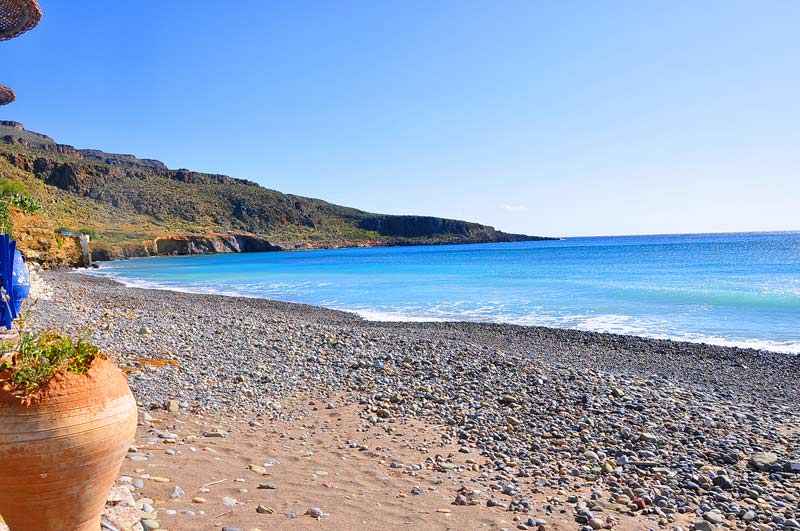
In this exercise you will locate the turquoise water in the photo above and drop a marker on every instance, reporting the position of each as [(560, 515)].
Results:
[(729, 289)]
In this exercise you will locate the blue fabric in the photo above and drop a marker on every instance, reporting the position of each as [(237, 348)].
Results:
[(20, 283), (14, 280)]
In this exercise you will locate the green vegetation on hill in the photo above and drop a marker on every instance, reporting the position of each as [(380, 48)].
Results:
[(14, 194), (124, 201)]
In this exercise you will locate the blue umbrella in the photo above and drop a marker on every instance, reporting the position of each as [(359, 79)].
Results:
[(15, 284)]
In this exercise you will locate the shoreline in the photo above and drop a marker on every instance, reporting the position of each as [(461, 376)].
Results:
[(632, 354), (435, 426), (214, 243), (382, 317)]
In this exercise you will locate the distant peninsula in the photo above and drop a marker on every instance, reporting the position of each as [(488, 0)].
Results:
[(138, 207)]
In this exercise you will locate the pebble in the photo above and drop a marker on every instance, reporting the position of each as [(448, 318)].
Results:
[(763, 460), (678, 428), (258, 469), (314, 512), (704, 525)]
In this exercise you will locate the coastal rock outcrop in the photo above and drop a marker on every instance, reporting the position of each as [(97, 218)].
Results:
[(220, 243), (185, 245), (429, 226), (38, 241)]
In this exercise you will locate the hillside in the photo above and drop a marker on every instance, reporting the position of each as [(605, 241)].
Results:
[(139, 207)]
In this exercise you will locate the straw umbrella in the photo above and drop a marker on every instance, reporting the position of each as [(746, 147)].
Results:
[(6, 95), (16, 17)]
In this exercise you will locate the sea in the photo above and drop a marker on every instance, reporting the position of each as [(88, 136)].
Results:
[(726, 289)]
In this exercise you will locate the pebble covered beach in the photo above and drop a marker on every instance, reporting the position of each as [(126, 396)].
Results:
[(432, 425)]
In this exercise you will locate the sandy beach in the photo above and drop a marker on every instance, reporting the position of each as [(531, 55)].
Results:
[(263, 415)]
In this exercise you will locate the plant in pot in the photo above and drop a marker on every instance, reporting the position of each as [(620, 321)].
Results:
[(67, 418)]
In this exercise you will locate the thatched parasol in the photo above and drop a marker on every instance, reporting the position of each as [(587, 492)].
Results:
[(17, 17), (6, 95)]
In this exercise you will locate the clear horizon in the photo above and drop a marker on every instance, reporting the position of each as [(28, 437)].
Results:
[(565, 120)]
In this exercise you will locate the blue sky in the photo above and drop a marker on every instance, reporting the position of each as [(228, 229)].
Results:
[(557, 118)]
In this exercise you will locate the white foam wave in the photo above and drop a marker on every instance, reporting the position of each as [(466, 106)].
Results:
[(493, 311), (182, 288), (373, 315), (611, 323)]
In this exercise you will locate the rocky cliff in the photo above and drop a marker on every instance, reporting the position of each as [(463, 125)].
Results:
[(140, 207), (187, 244), (38, 241)]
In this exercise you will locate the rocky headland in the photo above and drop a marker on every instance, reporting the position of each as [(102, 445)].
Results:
[(139, 207)]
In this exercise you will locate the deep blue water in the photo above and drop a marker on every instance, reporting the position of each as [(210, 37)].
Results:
[(732, 289)]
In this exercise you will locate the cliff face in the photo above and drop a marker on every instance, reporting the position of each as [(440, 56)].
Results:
[(14, 133), (37, 240), (129, 202), (423, 226), (220, 243)]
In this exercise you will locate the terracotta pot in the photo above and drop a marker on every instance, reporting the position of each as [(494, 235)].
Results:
[(61, 449)]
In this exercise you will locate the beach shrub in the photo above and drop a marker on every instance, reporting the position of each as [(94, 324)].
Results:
[(25, 203), (9, 188), (5, 222), (59, 237), (36, 357), (14, 194), (91, 233)]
